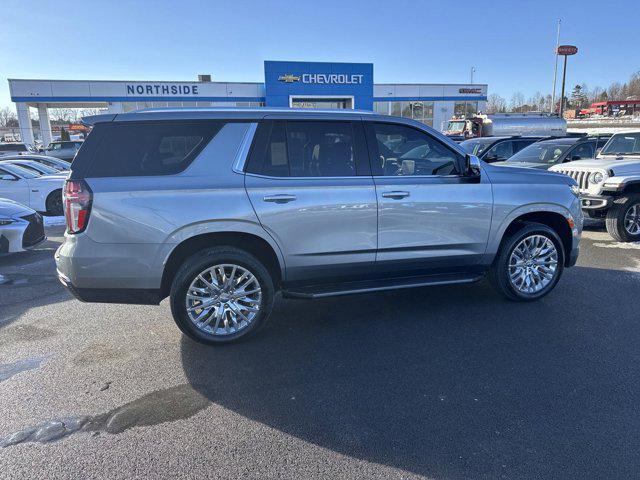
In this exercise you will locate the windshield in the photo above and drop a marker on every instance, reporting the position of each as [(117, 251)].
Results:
[(38, 167), (456, 126), (21, 172), (476, 146), (622, 143), (545, 152)]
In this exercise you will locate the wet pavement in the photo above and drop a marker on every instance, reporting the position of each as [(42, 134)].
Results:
[(447, 382)]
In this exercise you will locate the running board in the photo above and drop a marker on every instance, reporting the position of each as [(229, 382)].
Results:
[(367, 286)]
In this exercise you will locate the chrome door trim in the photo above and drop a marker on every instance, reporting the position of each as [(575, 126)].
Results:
[(243, 149), (270, 177)]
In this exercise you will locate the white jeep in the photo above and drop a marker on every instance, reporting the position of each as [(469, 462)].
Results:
[(610, 185)]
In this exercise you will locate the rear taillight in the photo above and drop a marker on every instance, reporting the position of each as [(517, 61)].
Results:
[(77, 199)]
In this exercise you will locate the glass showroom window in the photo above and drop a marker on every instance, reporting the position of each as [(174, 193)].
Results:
[(396, 109), (418, 110), (129, 106), (383, 108), (465, 108)]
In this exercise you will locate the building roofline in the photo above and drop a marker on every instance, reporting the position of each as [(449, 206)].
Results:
[(125, 81)]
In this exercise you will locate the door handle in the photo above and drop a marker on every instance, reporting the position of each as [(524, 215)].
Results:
[(279, 198), (396, 195)]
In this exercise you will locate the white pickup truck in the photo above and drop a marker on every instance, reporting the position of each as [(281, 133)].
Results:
[(610, 185)]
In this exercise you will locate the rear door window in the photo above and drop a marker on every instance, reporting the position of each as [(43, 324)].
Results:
[(304, 149), (141, 149)]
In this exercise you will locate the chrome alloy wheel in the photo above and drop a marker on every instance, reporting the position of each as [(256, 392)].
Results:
[(223, 299), (632, 220), (533, 264)]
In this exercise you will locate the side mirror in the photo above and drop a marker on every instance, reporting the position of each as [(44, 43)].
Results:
[(576, 157), (473, 169), (9, 178)]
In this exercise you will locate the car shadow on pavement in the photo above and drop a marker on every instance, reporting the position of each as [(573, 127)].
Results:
[(448, 382), (29, 280)]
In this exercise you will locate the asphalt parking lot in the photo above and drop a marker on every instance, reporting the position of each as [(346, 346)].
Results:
[(445, 383)]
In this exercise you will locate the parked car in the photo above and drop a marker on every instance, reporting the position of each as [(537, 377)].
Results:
[(496, 149), (14, 148), (545, 153), (21, 227), (610, 185), (221, 209), (43, 193), (58, 164), (65, 150), (33, 166)]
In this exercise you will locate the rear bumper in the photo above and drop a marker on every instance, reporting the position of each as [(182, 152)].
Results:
[(88, 265), (140, 296)]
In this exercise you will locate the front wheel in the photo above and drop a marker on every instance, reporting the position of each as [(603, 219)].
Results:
[(623, 219), (529, 263), (220, 295)]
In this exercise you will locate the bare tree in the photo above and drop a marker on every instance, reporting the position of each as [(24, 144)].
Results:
[(516, 103), (496, 104), (63, 115), (8, 117)]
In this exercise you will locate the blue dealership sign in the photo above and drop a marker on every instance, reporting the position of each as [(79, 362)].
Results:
[(285, 81)]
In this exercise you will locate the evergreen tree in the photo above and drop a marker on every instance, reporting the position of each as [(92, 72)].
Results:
[(579, 98)]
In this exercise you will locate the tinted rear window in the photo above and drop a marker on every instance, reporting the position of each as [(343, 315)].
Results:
[(142, 149), (13, 147)]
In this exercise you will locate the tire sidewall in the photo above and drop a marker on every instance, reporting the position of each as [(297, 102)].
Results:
[(200, 262), (508, 247), (615, 224), (50, 199)]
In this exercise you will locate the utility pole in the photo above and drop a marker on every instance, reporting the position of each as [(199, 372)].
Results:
[(555, 70), (473, 69)]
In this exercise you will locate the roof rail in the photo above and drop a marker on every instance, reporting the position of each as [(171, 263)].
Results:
[(91, 120)]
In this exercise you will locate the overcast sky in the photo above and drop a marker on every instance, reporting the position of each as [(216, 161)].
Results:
[(510, 43)]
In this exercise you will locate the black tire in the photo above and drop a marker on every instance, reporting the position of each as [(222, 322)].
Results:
[(616, 216), (54, 203), (499, 272), (199, 262)]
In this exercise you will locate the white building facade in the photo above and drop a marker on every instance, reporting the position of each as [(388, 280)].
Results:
[(287, 84)]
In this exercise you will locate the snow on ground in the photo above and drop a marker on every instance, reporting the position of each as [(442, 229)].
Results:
[(48, 221)]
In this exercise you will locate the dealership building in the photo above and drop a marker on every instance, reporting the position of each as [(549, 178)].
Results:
[(286, 84)]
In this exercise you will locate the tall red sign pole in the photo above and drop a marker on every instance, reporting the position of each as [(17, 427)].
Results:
[(565, 50)]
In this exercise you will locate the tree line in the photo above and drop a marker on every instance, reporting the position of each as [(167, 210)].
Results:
[(57, 116), (581, 97)]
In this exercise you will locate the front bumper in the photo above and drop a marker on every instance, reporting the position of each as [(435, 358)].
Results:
[(24, 233)]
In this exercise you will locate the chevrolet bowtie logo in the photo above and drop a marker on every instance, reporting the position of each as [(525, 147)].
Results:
[(289, 78)]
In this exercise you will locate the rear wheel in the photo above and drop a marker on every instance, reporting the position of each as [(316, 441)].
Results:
[(623, 219), (529, 263), (220, 295), (54, 203)]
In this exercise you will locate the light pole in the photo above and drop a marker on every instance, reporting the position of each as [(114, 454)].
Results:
[(473, 69), (555, 70)]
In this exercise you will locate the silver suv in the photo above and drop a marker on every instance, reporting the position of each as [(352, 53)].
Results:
[(222, 209)]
